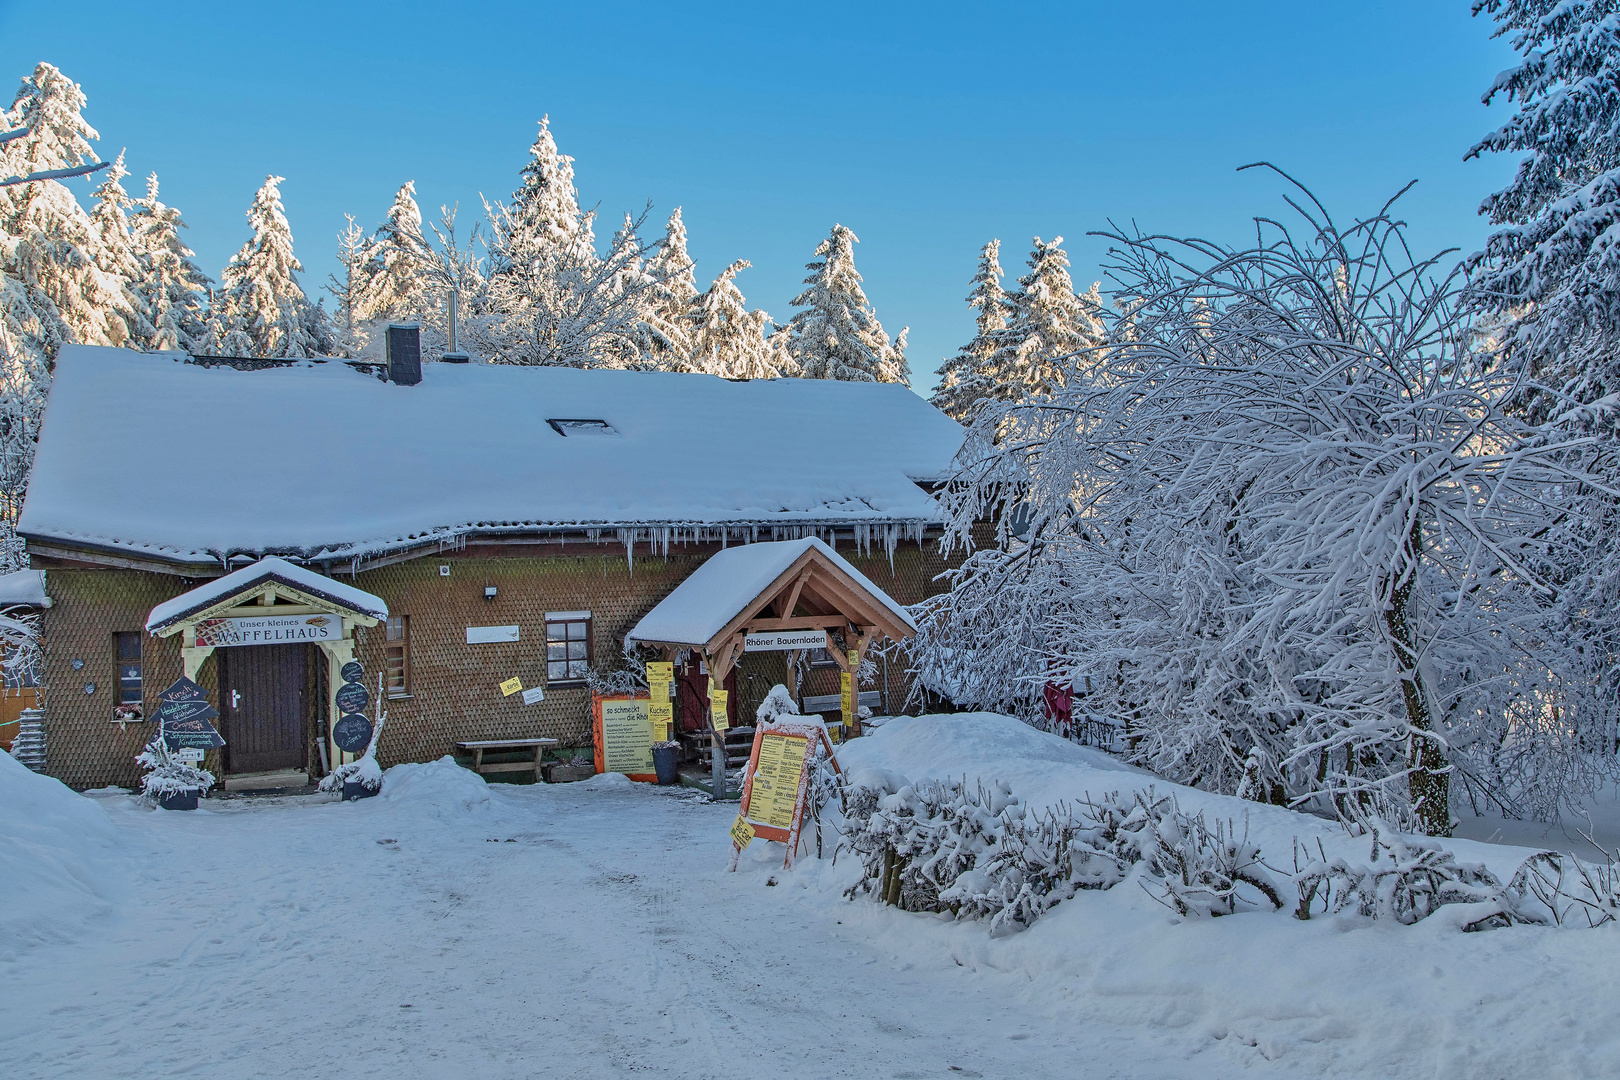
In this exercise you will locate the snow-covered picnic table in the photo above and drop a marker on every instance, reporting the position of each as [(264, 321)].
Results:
[(534, 751)]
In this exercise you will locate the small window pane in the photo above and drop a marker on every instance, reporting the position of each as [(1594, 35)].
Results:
[(576, 650), (576, 631), (576, 669), (556, 670), (396, 628), (557, 651), (129, 646)]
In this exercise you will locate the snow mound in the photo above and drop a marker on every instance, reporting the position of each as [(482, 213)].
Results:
[(439, 785), (53, 848), (606, 780), (1042, 768)]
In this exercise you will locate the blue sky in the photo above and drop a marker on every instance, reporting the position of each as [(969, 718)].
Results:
[(926, 128)]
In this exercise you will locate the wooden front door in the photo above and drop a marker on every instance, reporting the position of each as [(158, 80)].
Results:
[(263, 701)]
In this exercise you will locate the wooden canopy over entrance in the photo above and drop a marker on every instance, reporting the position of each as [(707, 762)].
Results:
[(770, 587), (275, 588)]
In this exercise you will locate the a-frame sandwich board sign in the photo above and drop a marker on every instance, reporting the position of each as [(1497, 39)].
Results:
[(778, 785)]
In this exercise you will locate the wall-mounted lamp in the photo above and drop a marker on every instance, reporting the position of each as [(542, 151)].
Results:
[(489, 592)]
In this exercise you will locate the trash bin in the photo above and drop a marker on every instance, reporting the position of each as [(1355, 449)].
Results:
[(664, 760)]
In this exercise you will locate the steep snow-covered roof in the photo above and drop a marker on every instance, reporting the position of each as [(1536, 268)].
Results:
[(251, 577), (319, 460), (23, 587), (716, 592)]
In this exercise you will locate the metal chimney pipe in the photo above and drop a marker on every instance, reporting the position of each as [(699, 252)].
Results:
[(455, 355)]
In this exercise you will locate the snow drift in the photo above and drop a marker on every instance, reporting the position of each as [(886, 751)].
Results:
[(439, 786), (54, 846)]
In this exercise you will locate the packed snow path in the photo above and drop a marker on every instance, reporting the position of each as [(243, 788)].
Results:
[(449, 929), (580, 930)]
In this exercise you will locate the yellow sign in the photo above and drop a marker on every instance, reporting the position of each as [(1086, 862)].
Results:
[(661, 714), (660, 671), (742, 833), (626, 736), (846, 696), (854, 659), (718, 712), (511, 686), (776, 780)]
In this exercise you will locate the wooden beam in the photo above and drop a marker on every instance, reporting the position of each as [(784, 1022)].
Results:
[(802, 622), (786, 611)]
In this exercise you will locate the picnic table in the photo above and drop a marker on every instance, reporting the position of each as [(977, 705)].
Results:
[(516, 755)]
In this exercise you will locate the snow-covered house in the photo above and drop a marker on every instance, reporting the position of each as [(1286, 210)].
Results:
[(483, 524)]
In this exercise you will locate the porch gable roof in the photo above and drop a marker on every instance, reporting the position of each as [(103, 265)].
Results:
[(222, 591)]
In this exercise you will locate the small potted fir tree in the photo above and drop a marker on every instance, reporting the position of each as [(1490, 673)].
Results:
[(172, 783)]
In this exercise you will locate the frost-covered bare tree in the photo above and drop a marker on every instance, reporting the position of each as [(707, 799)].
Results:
[(1287, 524)]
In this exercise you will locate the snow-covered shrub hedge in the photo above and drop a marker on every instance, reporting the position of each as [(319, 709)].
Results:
[(978, 853)]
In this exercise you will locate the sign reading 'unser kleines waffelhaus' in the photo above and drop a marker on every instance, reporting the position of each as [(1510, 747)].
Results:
[(270, 630)]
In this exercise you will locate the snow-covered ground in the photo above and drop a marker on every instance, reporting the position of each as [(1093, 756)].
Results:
[(447, 929)]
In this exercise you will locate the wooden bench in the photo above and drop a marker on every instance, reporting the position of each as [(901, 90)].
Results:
[(533, 751)]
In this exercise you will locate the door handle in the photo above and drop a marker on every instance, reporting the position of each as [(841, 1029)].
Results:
[(236, 699)]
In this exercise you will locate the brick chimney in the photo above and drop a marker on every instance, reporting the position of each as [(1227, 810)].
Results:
[(405, 354)]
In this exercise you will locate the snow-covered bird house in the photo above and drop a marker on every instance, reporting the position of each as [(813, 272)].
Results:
[(486, 528)]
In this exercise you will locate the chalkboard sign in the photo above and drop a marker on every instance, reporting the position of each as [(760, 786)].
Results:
[(352, 733), (353, 698), (352, 671), (183, 713)]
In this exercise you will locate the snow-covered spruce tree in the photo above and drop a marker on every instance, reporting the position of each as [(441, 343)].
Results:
[(396, 286), (262, 311), (564, 305), (349, 333), (1551, 274), (1290, 507), (544, 212), (968, 378), (669, 329), (836, 334), (48, 244), (551, 299), (1046, 322), (118, 252), (727, 339), (171, 289)]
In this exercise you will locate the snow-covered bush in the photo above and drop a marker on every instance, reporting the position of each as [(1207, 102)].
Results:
[(1198, 870), (977, 853), (166, 774), (777, 704), (940, 845), (915, 841)]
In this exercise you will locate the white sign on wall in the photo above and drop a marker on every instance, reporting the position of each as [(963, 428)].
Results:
[(270, 630), (782, 640), (490, 635)]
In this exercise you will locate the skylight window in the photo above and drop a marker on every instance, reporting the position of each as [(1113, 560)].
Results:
[(576, 428)]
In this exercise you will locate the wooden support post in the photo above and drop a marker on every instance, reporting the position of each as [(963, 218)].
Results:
[(717, 745)]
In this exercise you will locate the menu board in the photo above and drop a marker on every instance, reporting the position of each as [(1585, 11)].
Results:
[(624, 737), (777, 773)]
